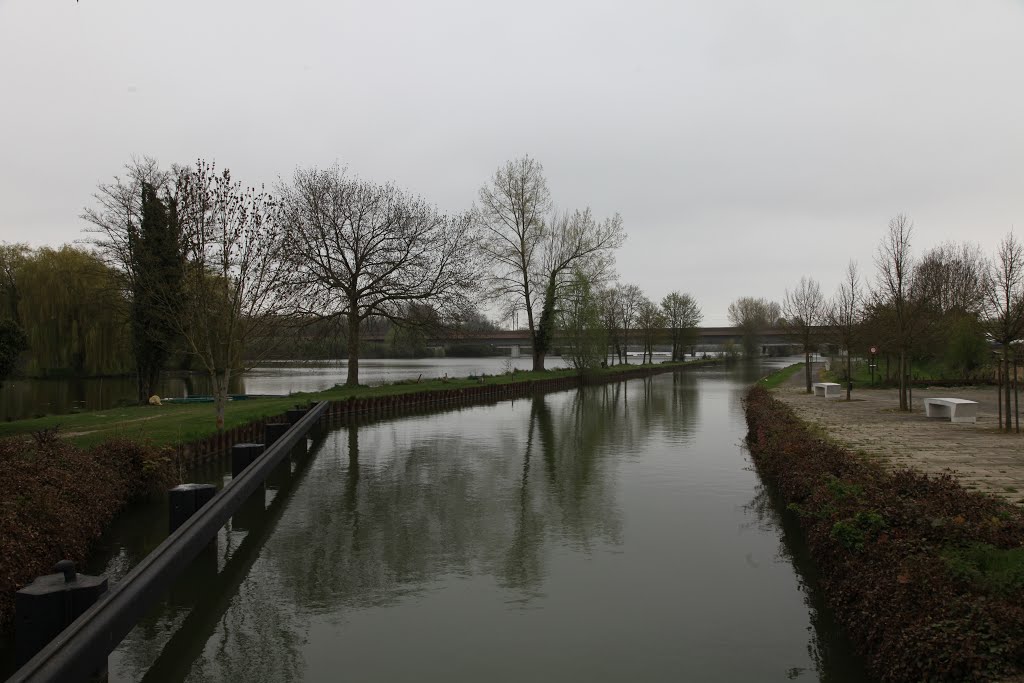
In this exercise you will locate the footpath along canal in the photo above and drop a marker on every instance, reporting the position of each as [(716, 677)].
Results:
[(610, 533)]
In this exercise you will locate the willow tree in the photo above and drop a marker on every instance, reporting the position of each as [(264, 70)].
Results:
[(71, 309), (532, 252), (235, 282), (359, 250)]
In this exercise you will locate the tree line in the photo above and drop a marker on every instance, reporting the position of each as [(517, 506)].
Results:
[(187, 261), (953, 305)]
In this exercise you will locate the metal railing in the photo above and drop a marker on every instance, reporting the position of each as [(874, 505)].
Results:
[(82, 648)]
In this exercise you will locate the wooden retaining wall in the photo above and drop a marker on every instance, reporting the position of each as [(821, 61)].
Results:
[(202, 450)]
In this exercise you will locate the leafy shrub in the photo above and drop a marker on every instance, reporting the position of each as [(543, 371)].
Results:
[(926, 577)]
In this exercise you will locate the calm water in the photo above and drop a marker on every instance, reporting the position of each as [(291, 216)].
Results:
[(608, 534), (32, 397)]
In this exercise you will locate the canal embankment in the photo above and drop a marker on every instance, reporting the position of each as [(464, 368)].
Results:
[(926, 576), (62, 484)]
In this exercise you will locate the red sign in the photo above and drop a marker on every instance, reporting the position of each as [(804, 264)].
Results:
[(873, 350)]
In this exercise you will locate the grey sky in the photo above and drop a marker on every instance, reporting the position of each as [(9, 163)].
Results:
[(745, 143)]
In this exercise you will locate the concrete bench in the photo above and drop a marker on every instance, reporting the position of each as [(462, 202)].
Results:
[(826, 389), (956, 409)]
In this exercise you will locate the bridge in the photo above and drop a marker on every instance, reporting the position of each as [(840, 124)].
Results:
[(516, 340)]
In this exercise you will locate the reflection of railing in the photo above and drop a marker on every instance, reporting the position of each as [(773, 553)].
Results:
[(82, 648)]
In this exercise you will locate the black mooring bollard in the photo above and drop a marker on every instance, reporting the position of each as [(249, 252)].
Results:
[(272, 431), (295, 414), (49, 604), (184, 500), (242, 455)]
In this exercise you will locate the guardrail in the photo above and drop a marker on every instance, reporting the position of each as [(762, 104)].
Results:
[(82, 648)]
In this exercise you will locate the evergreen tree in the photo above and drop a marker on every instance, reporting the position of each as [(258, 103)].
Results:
[(158, 288)]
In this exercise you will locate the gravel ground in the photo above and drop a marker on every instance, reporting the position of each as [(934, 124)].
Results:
[(980, 455)]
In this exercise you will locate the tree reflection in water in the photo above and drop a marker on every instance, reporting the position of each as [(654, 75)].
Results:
[(387, 510)]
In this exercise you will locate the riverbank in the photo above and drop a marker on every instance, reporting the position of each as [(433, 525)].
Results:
[(56, 499), (926, 577), (176, 424)]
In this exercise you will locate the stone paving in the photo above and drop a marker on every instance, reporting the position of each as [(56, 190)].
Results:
[(980, 455)]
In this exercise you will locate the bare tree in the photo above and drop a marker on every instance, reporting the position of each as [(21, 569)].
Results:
[(682, 315), (532, 257), (630, 297), (803, 310), (116, 217), (844, 316), (608, 304), (896, 295), (1004, 308), (752, 316), (358, 250), (650, 322), (235, 280)]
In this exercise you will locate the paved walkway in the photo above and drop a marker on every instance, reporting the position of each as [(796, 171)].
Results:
[(981, 456)]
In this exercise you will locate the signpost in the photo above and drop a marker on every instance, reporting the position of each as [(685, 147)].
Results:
[(872, 365)]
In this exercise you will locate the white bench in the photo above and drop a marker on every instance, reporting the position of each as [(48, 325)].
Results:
[(826, 389), (956, 409)]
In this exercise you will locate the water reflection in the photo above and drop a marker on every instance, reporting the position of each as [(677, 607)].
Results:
[(600, 534)]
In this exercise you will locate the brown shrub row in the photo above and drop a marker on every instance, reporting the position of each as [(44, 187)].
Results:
[(56, 500), (884, 542)]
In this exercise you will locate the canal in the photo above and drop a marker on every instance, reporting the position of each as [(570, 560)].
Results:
[(613, 533)]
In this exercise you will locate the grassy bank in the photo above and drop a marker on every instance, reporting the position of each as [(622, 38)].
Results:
[(780, 376), (926, 577), (173, 424)]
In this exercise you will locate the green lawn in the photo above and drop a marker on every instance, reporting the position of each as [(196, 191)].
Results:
[(779, 376), (174, 424)]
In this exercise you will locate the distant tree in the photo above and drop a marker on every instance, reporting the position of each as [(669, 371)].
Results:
[(630, 297), (803, 310), (950, 283), (236, 283), (752, 316), (580, 323), (1004, 307), (682, 316), (608, 303), (650, 322), (844, 317), (12, 343), (359, 250), (531, 256)]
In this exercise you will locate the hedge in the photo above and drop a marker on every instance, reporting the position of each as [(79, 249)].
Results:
[(926, 577)]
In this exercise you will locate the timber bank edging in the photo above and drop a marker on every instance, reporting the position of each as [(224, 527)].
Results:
[(207, 448)]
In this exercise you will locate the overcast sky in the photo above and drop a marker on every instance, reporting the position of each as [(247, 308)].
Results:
[(746, 143)]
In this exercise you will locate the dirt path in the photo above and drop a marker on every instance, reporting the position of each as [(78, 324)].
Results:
[(981, 456)]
